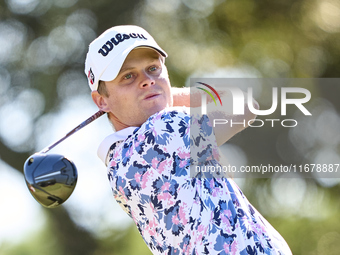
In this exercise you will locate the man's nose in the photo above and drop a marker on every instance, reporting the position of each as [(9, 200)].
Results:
[(147, 80)]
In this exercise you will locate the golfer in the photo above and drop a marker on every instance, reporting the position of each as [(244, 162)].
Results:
[(149, 156)]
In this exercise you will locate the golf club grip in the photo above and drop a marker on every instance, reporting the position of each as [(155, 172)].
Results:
[(80, 126)]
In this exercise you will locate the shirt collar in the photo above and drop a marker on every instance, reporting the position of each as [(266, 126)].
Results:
[(105, 145)]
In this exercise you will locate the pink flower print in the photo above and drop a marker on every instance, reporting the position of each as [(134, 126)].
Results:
[(137, 177), (117, 153), (230, 248), (217, 192), (226, 248), (212, 183), (113, 163), (164, 165), (165, 186), (228, 213), (260, 232), (141, 137), (166, 197), (129, 152), (182, 214), (224, 219), (175, 219), (153, 131), (152, 207), (154, 163), (158, 116), (187, 131), (262, 227), (187, 248), (226, 224), (234, 248), (183, 163), (211, 220), (184, 154), (202, 230), (151, 227), (145, 179)]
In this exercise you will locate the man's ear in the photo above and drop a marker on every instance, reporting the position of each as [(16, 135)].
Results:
[(100, 101)]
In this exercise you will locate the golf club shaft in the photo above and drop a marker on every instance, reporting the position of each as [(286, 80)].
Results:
[(80, 126)]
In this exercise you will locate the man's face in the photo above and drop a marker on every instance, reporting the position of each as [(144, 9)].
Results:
[(141, 88)]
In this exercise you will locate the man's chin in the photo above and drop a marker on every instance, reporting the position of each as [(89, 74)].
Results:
[(157, 108)]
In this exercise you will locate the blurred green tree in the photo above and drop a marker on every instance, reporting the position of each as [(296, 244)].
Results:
[(43, 47)]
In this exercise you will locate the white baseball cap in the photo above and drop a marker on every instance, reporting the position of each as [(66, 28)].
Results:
[(107, 53)]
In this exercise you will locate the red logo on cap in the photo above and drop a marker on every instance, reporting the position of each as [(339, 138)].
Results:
[(90, 75)]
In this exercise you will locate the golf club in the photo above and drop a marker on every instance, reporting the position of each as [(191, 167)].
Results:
[(51, 178)]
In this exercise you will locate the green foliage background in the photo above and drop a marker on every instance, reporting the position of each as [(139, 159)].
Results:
[(43, 47)]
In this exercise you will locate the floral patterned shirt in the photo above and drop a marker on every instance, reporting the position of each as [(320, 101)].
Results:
[(175, 213)]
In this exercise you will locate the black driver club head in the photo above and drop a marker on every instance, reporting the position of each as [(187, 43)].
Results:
[(51, 178)]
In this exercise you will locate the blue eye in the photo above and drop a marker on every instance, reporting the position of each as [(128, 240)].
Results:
[(152, 69), (128, 76)]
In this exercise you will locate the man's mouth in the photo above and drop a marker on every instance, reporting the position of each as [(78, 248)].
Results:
[(152, 96)]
